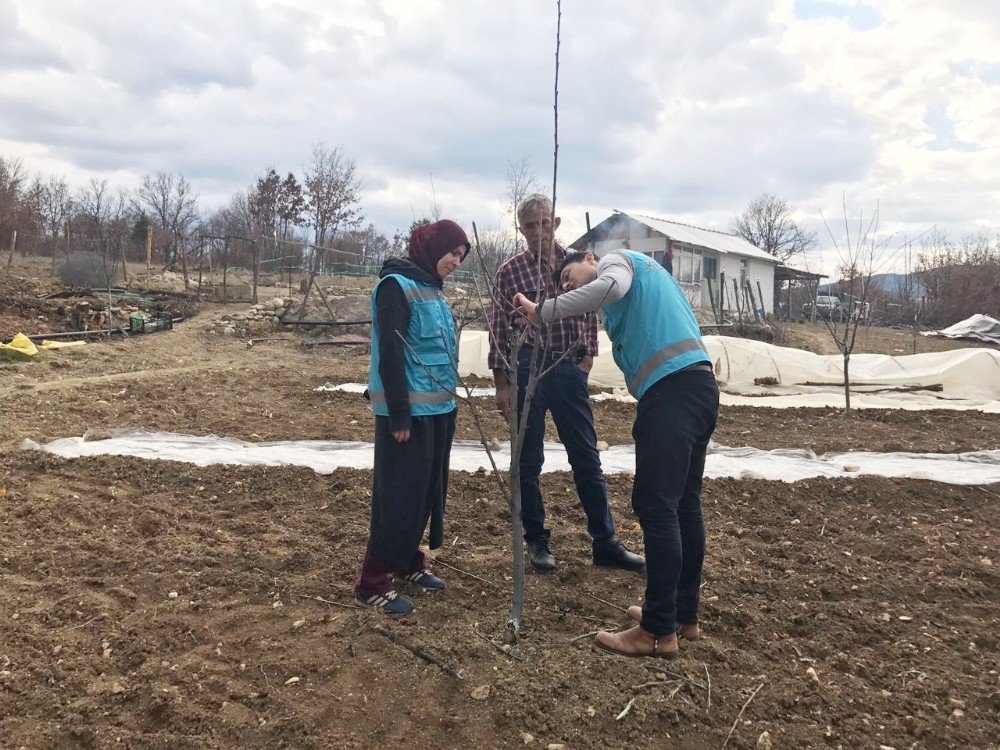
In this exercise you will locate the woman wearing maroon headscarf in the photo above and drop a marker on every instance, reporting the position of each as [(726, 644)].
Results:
[(411, 386)]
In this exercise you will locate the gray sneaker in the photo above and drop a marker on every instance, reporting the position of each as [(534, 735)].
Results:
[(541, 557), (390, 602)]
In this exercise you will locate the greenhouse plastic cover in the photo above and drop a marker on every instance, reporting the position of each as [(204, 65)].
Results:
[(981, 327), (968, 378), (788, 465)]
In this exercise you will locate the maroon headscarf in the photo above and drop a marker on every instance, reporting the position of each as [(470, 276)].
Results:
[(431, 242)]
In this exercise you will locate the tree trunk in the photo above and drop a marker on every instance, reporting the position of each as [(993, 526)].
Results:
[(184, 262), (516, 525), (847, 384)]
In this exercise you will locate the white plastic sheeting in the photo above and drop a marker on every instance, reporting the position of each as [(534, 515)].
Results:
[(969, 378), (477, 391), (980, 327), (982, 467)]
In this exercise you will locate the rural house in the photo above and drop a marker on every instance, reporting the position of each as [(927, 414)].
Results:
[(698, 258)]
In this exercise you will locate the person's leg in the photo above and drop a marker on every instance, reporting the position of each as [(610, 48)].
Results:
[(661, 463), (375, 577), (689, 513), (403, 478), (441, 431), (670, 419), (532, 458), (570, 406)]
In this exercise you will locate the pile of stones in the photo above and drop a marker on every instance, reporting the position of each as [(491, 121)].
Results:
[(260, 318)]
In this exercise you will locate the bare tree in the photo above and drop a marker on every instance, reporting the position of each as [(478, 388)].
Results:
[(496, 244), (104, 216), (56, 206), (12, 180), (961, 278), (519, 182), (12, 186), (768, 224), (862, 254), (332, 193), (172, 202)]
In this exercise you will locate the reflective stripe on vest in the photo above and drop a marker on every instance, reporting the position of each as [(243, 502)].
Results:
[(413, 294), (416, 397), (430, 351), (662, 356)]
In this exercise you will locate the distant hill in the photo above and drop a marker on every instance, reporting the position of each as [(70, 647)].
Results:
[(892, 284)]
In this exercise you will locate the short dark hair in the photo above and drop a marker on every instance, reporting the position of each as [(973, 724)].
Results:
[(576, 256)]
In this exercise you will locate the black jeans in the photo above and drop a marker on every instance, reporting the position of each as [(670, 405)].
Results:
[(409, 488), (674, 421), (563, 391)]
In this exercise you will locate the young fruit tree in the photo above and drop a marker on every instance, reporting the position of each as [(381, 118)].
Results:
[(861, 255)]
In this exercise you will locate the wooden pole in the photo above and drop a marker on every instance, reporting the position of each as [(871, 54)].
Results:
[(760, 297), (201, 263), (184, 260), (711, 301), (256, 267), (121, 249), (13, 244), (149, 249), (752, 301), (225, 269)]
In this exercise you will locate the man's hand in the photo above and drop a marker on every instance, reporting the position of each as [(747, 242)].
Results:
[(586, 363), (503, 402), (526, 307), (401, 435)]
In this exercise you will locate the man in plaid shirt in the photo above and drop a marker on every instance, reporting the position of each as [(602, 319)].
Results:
[(563, 391)]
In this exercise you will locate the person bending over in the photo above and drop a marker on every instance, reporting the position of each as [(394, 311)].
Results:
[(656, 342)]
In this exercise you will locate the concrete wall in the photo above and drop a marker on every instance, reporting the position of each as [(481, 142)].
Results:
[(756, 270)]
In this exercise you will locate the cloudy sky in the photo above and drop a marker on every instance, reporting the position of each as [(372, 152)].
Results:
[(683, 109)]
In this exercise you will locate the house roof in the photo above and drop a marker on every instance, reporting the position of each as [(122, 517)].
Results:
[(787, 273), (710, 238)]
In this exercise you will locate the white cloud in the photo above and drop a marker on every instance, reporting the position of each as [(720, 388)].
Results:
[(682, 110)]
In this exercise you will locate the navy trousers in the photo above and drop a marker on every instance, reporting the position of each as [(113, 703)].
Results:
[(563, 392), (674, 420)]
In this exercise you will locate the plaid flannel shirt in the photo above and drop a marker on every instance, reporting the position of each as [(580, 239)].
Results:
[(520, 274)]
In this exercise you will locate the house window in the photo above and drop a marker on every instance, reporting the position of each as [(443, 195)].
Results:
[(686, 266), (710, 267)]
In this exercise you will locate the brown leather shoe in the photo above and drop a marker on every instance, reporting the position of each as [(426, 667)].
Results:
[(637, 642), (689, 632)]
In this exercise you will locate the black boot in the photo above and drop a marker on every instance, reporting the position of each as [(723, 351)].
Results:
[(540, 557), (614, 554)]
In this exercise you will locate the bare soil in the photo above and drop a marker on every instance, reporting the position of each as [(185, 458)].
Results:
[(189, 382), (886, 589)]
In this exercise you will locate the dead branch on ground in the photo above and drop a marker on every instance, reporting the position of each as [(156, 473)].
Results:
[(417, 651)]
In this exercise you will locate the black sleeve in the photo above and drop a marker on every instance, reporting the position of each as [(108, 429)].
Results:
[(392, 313)]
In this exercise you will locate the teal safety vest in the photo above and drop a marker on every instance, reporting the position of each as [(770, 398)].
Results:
[(430, 353), (652, 329)]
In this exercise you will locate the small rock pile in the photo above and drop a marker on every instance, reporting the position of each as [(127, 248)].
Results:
[(260, 318)]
